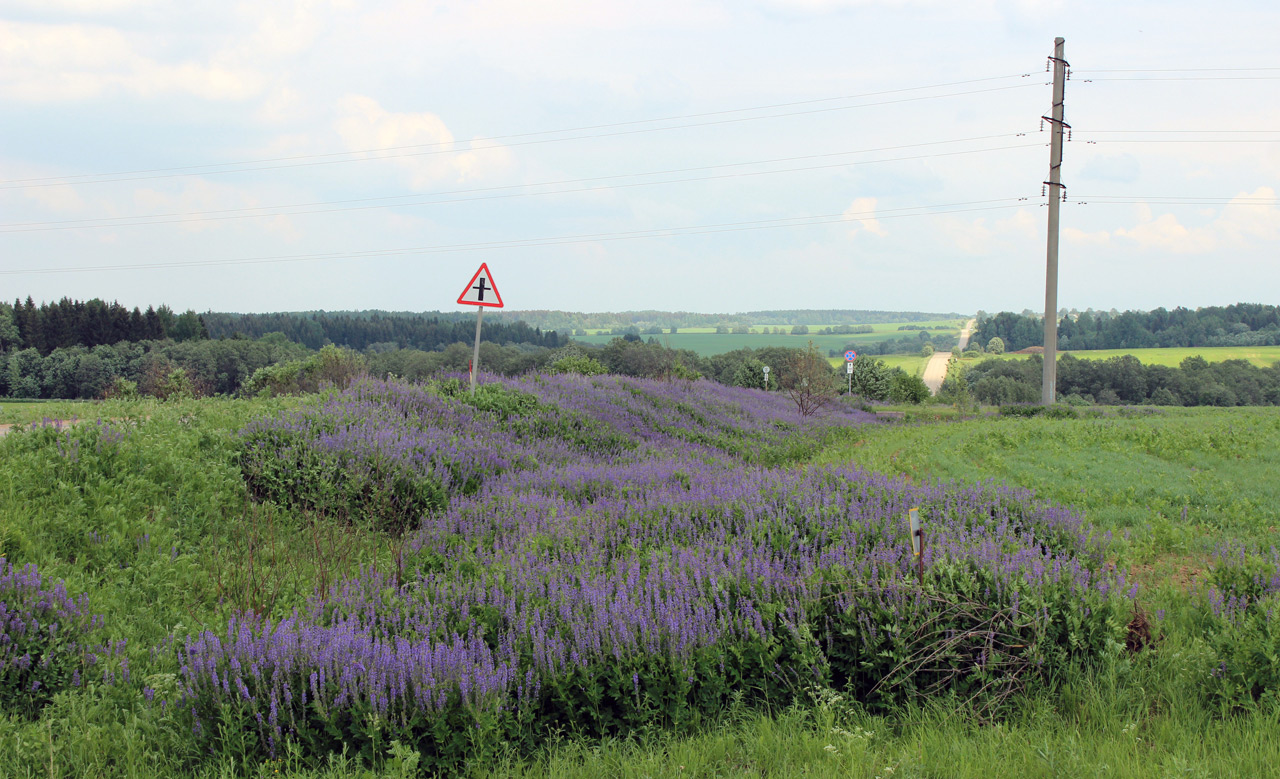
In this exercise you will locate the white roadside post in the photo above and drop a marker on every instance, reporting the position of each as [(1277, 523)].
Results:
[(766, 378), (474, 295), (917, 540)]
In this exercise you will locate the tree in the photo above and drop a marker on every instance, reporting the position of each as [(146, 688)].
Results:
[(800, 330), (749, 373), (870, 379), (10, 337), (995, 345), (809, 382), (24, 374), (907, 388)]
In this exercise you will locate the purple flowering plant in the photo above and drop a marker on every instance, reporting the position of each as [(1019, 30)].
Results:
[(1242, 600), (600, 554), (45, 639)]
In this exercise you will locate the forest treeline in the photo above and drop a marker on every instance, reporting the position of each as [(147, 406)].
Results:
[(377, 330), (66, 323), (1240, 324)]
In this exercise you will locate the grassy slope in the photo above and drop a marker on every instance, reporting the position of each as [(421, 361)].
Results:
[(172, 518), (1171, 476)]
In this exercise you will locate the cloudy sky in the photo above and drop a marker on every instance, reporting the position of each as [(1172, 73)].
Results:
[(703, 155)]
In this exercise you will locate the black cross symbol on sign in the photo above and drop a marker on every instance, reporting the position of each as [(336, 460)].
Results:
[(481, 288)]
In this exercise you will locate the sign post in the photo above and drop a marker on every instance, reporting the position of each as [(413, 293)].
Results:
[(766, 378), (849, 357), (475, 295)]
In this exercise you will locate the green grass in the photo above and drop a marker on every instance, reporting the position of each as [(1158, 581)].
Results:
[(911, 363), (158, 537), (1261, 356), (1178, 479)]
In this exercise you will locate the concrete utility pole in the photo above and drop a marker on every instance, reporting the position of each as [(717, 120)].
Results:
[(1049, 387)]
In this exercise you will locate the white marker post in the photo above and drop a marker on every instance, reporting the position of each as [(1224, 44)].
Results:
[(917, 539), (766, 378), (475, 295)]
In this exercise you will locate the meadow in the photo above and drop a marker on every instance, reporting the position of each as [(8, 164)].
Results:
[(911, 363), (1261, 356), (706, 342), (623, 577)]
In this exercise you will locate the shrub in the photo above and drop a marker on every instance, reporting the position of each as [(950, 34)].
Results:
[(578, 363)]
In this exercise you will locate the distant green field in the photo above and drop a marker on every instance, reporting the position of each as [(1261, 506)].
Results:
[(706, 342), (911, 363), (1261, 356)]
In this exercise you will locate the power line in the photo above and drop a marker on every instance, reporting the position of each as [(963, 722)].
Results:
[(1086, 131), (1177, 201), (1182, 78), (323, 159), (338, 206), (1183, 140), (724, 227), (1170, 70)]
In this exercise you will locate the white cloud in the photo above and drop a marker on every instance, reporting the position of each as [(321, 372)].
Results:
[(198, 195), (364, 124), (978, 237), (1248, 218), (63, 199), (1075, 235), (54, 62), (861, 214)]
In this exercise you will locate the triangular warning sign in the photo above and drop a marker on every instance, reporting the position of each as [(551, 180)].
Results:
[(480, 290)]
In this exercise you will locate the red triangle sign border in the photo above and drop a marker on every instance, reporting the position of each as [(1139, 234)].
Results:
[(484, 269)]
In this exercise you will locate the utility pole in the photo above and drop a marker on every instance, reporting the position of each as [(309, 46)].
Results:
[(1057, 193)]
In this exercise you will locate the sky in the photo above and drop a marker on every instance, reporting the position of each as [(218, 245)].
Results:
[(700, 155)]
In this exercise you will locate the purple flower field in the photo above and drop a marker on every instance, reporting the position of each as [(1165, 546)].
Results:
[(600, 554)]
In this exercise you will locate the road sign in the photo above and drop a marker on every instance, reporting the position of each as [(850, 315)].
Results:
[(851, 355), (480, 290), (848, 368)]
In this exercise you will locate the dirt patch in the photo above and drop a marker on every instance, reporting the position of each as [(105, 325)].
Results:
[(1183, 572)]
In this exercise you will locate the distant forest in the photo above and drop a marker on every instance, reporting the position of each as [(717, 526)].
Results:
[(378, 330), (1241, 324), (66, 323)]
